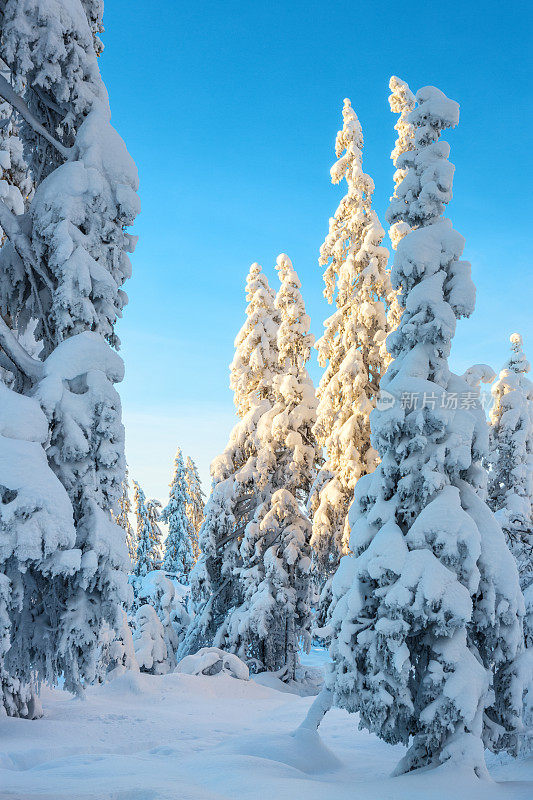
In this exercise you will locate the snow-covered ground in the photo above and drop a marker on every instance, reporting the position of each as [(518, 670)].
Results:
[(184, 737)]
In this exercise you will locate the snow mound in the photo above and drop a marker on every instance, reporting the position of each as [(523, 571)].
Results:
[(308, 681), (212, 661), (303, 750)]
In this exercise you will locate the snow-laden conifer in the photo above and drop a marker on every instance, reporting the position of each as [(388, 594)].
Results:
[(123, 518), (428, 609), (149, 554), (239, 473), (351, 350), (178, 557), (511, 465), (61, 267), (195, 505), (273, 620)]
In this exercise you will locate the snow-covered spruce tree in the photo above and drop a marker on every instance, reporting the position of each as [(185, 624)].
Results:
[(239, 473), (149, 554), (511, 466), (62, 266), (351, 350), (195, 505), (428, 609), (123, 518), (274, 618), (178, 558)]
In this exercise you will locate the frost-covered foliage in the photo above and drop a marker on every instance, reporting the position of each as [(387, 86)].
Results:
[(194, 507), (178, 558), (123, 518), (427, 620), (213, 661), (169, 600), (511, 464), (351, 350), (239, 473), (149, 555), (273, 619)]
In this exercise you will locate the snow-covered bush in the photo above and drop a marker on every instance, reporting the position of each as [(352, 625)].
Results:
[(117, 651), (213, 661), (151, 650), (427, 621), (170, 604), (351, 350)]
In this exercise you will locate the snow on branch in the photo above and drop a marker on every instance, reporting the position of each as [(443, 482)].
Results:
[(11, 97), (18, 355)]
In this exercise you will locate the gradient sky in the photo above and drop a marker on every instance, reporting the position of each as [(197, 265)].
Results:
[(230, 110)]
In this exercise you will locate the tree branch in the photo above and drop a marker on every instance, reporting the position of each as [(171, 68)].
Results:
[(17, 354), (10, 96)]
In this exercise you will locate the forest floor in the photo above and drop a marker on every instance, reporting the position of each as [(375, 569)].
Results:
[(184, 737)]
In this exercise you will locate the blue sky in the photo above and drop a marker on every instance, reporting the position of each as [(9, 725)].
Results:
[(230, 110)]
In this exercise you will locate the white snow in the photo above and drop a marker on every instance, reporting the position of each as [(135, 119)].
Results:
[(164, 737)]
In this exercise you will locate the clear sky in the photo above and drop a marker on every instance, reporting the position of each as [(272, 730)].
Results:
[(230, 110)]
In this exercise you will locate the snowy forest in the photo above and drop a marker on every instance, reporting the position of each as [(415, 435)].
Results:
[(346, 608)]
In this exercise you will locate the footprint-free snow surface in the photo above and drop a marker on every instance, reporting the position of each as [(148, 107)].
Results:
[(186, 737)]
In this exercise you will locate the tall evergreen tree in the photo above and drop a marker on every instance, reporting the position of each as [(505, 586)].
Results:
[(238, 473), (351, 350), (428, 609), (511, 463), (61, 269), (149, 546), (273, 620), (123, 518), (178, 558), (195, 505)]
